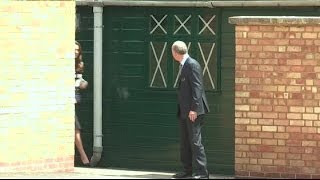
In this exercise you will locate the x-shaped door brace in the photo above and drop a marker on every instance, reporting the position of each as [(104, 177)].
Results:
[(206, 63), (158, 24), (206, 25), (158, 64), (182, 24), (179, 72)]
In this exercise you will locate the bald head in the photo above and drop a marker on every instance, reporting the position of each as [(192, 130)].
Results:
[(179, 47)]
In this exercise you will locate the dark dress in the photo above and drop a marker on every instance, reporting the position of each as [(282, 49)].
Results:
[(78, 76), (77, 123)]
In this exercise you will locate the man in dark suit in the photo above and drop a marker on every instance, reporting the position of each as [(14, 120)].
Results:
[(192, 106)]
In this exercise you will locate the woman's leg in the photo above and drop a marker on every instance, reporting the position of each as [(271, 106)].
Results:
[(79, 145)]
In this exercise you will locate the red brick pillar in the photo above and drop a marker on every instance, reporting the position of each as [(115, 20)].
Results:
[(277, 80)]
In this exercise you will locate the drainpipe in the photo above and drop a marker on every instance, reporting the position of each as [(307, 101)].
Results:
[(210, 4), (97, 95)]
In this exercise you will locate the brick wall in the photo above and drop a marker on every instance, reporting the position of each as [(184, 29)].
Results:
[(277, 78), (36, 92)]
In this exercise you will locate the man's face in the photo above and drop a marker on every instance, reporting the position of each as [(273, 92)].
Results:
[(77, 51), (174, 55)]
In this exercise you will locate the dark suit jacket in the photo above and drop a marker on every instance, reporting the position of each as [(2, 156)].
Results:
[(191, 94)]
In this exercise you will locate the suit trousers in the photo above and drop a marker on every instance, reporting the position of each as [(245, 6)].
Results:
[(192, 153)]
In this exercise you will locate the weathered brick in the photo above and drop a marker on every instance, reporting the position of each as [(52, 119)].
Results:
[(269, 142), (297, 122), (254, 35), (253, 141), (283, 99), (309, 143), (310, 116), (242, 121), (242, 134), (242, 107), (293, 156), (297, 29), (265, 122), (281, 128), (255, 168), (280, 108), (270, 115), (254, 115), (242, 41), (299, 163), (269, 128), (241, 147), (265, 134), (295, 109), (309, 157), (293, 129), (308, 35), (294, 116), (253, 128), (307, 130), (242, 160), (267, 35), (242, 28), (265, 161)]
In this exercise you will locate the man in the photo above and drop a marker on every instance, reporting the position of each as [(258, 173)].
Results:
[(192, 106)]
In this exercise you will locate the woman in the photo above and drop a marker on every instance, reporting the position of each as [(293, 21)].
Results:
[(80, 84)]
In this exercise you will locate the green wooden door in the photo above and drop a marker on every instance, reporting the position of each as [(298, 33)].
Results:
[(139, 75), (139, 86), (140, 126)]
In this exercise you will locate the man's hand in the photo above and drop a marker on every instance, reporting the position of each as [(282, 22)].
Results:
[(192, 116)]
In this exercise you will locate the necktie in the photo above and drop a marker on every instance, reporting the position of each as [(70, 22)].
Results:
[(180, 69), (179, 75)]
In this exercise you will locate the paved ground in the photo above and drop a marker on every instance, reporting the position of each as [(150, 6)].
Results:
[(96, 173)]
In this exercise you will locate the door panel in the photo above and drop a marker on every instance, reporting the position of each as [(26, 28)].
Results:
[(140, 127)]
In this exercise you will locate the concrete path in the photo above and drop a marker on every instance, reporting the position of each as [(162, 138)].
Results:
[(97, 173)]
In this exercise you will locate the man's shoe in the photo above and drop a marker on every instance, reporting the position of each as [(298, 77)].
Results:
[(182, 175), (201, 176)]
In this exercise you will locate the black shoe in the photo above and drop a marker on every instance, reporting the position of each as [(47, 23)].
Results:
[(204, 176), (182, 175), (86, 165)]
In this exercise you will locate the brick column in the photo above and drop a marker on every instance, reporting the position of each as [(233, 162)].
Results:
[(37, 86), (277, 80)]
